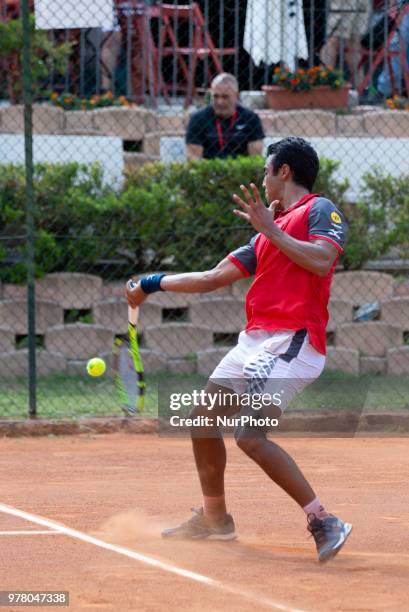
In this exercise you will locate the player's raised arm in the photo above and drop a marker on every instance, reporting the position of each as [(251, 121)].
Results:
[(326, 236)]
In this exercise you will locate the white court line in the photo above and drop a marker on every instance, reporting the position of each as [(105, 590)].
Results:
[(127, 552), (30, 532)]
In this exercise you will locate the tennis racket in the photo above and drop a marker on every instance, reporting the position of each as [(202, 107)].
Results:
[(129, 375)]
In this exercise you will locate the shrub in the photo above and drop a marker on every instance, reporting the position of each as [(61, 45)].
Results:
[(45, 55), (68, 197), (379, 220), (169, 217), (204, 228)]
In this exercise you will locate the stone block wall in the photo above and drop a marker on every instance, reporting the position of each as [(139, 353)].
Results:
[(183, 333), (47, 119), (377, 346), (147, 127)]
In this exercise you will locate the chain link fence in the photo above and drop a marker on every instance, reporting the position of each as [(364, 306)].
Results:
[(114, 88)]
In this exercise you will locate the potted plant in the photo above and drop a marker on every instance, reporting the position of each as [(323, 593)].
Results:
[(314, 88), (68, 101), (45, 57), (397, 103)]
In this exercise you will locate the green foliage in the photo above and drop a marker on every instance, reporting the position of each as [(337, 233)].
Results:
[(169, 217), (22, 342), (200, 205), (45, 56), (202, 226), (68, 200), (397, 103), (77, 316), (379, 220), (330, 187)]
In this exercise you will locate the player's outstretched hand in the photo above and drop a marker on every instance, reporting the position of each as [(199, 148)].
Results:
[(134, 293), (254, 211)]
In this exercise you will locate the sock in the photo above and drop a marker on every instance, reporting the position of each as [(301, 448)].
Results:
[(214, 508), (315, 507)]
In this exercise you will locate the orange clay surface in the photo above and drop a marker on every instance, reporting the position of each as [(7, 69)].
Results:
[(123, 489)]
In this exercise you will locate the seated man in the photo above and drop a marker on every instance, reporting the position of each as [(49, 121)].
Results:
[(224, 128)]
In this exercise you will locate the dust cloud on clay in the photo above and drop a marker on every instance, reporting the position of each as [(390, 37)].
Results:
[(128, 526)]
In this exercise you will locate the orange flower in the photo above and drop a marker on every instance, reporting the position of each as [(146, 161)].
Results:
[(54, 96), (294, 81), (277, 70), (300, 71)]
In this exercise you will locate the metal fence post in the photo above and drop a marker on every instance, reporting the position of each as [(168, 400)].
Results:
[(29, 192)]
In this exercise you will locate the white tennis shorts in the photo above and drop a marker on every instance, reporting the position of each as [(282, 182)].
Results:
[(282, 362)]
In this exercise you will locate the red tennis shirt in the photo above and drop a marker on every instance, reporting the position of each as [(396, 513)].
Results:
[(284, 295)]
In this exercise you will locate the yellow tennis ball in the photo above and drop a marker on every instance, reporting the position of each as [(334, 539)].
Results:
[(96, 366)]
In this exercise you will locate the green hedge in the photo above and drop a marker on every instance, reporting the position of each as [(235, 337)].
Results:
[(173, 217), (379, 220)]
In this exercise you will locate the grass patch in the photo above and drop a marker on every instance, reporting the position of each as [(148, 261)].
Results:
[(368, 393), (61, 396)]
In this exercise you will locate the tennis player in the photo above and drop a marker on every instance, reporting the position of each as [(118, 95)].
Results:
[(300, 236)]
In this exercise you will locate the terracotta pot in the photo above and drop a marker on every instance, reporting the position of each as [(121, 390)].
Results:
[(323, 96)]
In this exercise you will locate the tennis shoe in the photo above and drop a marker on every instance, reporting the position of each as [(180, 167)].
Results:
[(329, 533), (199, 528)]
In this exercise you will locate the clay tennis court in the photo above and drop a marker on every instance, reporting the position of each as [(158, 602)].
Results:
[(114, 493)]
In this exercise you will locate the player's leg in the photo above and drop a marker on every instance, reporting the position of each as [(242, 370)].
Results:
[(278, 371), (277, 464), (211, 521), (253, 441), (328, 531), (288, 374), (224, 386), (209, 449)]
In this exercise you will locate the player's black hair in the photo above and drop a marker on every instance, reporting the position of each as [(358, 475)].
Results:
[(300, 156)]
